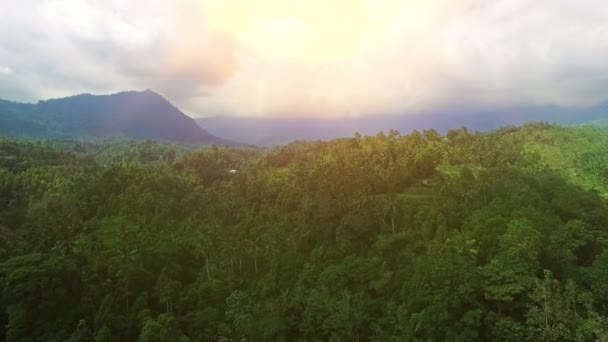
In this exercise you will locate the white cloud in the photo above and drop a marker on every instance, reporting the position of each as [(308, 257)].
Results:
[(454, 53), (5, 71), (61, 47)]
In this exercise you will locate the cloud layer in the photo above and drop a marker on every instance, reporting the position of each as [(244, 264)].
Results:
[(466, 53)]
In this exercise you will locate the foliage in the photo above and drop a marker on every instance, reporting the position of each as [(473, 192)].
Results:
[(419, 237)]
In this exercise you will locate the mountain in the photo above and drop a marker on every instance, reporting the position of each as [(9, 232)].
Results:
[(268, 131), (130, 115)]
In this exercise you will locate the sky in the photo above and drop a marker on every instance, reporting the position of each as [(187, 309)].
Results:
[(309, 57)]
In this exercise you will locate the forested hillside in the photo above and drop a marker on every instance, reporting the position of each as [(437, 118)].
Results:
[(126, 115), (497, 236)]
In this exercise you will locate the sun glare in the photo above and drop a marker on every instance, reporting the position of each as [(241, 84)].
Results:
[(305, 29)]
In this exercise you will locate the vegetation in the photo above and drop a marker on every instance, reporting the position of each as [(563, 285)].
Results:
[(126, 115), (469, 236)]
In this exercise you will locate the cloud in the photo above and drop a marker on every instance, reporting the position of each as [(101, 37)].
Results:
[(437, 54), (464, 54), (60, 47), (5, 71)]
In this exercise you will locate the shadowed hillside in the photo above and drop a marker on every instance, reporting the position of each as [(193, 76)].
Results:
[(130, 115)]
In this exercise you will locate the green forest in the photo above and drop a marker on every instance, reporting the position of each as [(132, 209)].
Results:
[(463, 236)]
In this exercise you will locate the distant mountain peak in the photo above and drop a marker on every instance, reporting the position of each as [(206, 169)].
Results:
[(146, 92), (130, 114)]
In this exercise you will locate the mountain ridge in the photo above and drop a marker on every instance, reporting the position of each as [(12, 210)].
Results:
[(270, 131), (128, 114)]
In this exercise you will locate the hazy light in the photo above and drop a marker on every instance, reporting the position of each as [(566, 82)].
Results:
[(306, 29)]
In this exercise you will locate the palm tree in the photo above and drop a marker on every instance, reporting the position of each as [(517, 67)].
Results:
[(390, 208), (483, 186)]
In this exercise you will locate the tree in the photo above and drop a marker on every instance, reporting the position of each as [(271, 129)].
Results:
[(82, 333), (41, 293), (511, 272), (441, 300), (103, 335), (554, 313)]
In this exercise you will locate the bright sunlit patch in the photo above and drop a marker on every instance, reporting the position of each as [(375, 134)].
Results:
[(306, 29)]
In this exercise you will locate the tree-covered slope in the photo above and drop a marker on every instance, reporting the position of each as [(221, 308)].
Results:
[(424, 237), (132, 115), (577, 153)]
